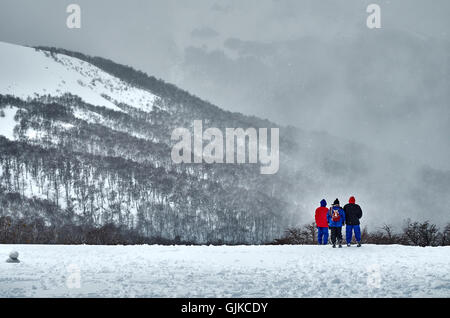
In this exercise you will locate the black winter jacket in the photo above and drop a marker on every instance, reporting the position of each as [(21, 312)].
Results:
[(353, 213)]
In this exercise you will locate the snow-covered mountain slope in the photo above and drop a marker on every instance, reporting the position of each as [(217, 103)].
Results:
[(28, 72), (226, 271)]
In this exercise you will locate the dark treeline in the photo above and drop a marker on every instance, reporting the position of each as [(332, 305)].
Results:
[(35, 231), (412, 234)]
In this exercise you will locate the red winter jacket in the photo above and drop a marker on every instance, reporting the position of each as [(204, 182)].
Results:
[(321, 217)]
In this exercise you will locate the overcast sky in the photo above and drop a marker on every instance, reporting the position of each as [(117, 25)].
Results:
[(308, 63)]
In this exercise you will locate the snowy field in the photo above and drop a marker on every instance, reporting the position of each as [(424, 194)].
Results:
[(225, 271)]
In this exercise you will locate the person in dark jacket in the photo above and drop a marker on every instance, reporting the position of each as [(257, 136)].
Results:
[(322, 223), (336, 218), (353, 213)]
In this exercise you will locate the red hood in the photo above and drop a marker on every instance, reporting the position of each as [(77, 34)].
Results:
[(352, 200)]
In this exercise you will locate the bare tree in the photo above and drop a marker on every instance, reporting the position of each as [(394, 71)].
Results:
[(446, 236), (312, 230), (421, 234)]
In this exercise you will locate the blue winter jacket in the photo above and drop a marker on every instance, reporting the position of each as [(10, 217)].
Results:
[(338, 223)]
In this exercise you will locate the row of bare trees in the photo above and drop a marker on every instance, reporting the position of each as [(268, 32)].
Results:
[(35, 231), (412, 233)]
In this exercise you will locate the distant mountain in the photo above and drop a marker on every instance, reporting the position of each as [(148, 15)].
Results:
[(88, 142)]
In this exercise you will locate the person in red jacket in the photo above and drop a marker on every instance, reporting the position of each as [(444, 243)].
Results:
[(322, 223)]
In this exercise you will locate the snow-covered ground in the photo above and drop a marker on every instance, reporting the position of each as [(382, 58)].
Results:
[(225, 271)]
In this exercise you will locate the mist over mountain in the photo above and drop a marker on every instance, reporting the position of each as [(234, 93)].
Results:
[(87, 141)]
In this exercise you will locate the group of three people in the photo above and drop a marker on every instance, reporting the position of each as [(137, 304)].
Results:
[(334, 218)]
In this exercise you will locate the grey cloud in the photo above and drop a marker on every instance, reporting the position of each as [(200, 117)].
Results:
[(204, 32), (220, 7), (250, 47)]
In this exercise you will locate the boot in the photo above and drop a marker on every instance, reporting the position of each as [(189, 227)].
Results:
[(340, 245), (359, 244), (334, 245), (348, 245)]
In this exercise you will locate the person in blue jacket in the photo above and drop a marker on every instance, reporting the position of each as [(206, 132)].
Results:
[(336, 219)]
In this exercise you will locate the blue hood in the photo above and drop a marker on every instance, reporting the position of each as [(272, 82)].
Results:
[(323, 203)]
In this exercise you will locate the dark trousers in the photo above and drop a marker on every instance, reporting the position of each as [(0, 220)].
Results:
[(336, 234)]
